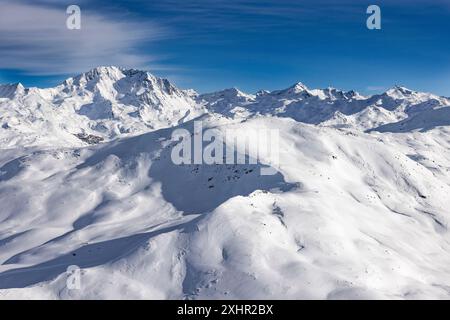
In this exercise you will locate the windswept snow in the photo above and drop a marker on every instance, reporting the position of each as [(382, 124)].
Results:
[(358, 207)]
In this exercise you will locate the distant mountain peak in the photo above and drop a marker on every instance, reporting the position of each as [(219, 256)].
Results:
[(11, 90), (111, 72), (106, 69), (298, 87), (294, 90), (235, 91), (262, 93), (229, 93), (398, 90), (15, 86)]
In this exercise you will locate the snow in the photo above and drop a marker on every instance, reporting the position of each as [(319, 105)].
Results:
[(358, 207)]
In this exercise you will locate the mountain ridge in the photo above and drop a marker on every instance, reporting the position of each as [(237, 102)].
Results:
[(109, 102)]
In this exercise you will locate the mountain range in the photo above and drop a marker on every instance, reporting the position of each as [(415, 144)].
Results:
[(110, 102)]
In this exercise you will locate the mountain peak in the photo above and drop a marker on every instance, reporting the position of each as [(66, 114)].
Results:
[(103, 72), (261, 93), (106, 69), (399, 91), (229, 93), (295, 89), (234, 91), (11, 90), (16, 85), (107, 80), (298, 87)]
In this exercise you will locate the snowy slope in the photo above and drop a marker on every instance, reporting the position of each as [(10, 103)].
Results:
[(358, 207)]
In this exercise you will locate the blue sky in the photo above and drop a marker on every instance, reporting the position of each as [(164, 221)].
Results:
[(209, 45)]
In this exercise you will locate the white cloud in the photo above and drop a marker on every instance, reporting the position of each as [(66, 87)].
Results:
[(35, 40)]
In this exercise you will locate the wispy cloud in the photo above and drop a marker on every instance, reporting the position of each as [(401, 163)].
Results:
[(248, 15), (35, 40)]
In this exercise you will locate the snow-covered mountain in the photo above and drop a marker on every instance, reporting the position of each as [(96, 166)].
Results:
[(330, 107), (357, 207), (106, 102)]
